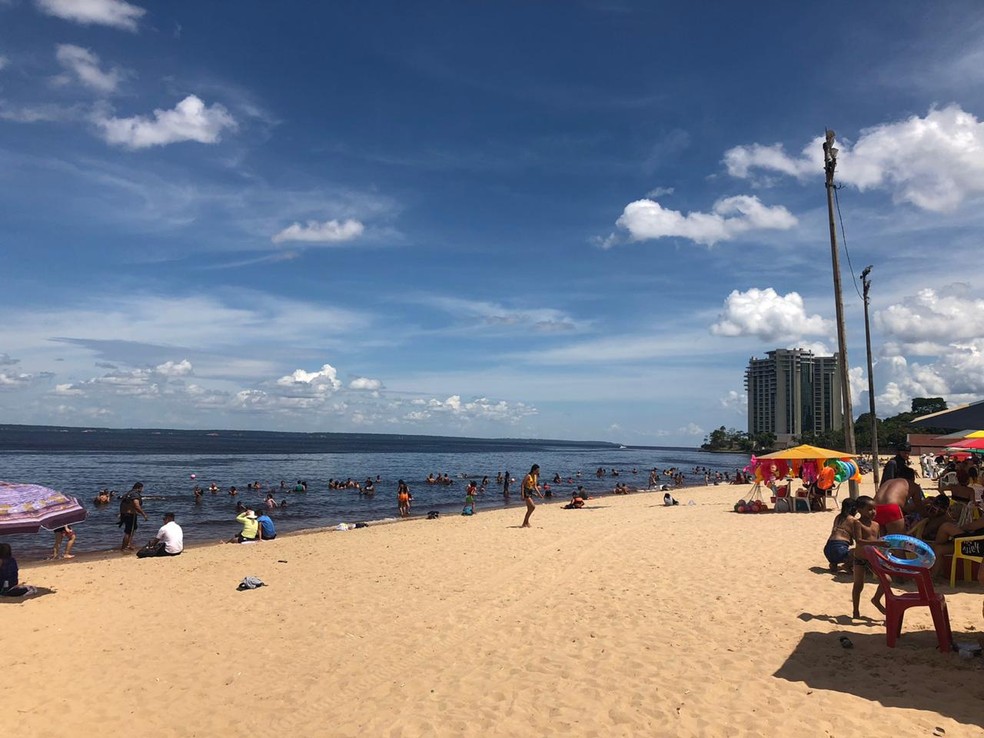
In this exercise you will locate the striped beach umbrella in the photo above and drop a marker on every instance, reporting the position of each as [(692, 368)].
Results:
[(27, 508)]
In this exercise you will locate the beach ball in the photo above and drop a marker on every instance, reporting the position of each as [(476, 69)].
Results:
[(193, 476), (742, 508)]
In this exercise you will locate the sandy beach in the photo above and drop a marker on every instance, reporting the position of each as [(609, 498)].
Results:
[(625, 618)]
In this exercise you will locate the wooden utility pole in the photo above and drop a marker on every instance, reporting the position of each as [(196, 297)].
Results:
[(866, 284), (830, 163)]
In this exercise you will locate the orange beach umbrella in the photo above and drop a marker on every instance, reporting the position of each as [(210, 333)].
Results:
[(807, 452)]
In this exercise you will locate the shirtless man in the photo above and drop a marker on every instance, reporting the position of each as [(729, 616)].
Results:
[(895, 497)]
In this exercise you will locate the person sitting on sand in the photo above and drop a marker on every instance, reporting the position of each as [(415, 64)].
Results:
[(265, 527), (169, 540), (841, 538), (250, 531), (577, 499), (10, 585), (64, 533), (669, 500), (867, 532)]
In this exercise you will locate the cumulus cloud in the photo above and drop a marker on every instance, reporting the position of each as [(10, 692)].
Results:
[(932, 318), (729, 218), (769, 316), (113, 13), (659, 192), (189, 120), (323, 381), (330, 231), (10, 380), (364, 383), (735, 401), (83, 65), (934, 162), (480, 408), (145, 383)]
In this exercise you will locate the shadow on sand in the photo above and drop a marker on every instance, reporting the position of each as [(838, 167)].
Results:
[(913, 675), (38, 592)]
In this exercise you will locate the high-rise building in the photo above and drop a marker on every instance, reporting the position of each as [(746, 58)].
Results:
[(791, 392)]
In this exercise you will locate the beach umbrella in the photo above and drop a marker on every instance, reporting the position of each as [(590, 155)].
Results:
[(807, 451), (27, 508), (968, 444)]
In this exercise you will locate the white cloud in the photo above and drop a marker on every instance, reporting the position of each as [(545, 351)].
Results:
[(10, 380), (933, 318), (330, 231), (659, 192), (691, 429), (189, 120), (323, 381), (935, 162), (480, 408), (114, 13), (84, 65), (541, 320), (735, 401), (40, 113), (174, 369), (769, 316), (730, 218), (364, 383)]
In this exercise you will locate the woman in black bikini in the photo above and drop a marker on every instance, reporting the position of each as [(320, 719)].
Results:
[(531, 486)]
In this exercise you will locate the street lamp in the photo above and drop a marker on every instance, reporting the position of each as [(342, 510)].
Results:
[(866, 284)]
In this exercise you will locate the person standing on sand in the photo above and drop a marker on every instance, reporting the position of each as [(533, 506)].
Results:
[(65, 532), (531, 486), (894, 498), (130, 507)]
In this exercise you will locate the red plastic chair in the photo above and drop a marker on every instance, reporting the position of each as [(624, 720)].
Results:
[(897, 604)]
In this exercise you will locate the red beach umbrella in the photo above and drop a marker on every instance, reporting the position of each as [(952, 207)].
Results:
[(27, 508)]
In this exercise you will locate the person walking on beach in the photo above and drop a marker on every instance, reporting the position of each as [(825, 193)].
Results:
[(531, 486), (130, 507)]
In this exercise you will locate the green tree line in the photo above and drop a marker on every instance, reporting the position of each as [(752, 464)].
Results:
[(891, 432)]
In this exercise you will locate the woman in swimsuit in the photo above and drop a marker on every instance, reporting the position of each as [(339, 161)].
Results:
[(838, 548), (531, 486)]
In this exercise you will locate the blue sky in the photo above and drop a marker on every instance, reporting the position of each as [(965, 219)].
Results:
[(569, 220)]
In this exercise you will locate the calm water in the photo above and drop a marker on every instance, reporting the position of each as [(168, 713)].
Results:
[(168, 483)]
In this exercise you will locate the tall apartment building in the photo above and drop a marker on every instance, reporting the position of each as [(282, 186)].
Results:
[(792, 391)]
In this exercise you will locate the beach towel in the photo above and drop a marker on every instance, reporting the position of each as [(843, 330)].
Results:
[(250, 583)]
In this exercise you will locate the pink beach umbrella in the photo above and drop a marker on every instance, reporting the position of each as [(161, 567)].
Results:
[(27, 508)]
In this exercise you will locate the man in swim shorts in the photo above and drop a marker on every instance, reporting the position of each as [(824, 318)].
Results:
[(130, 507), (896, 497)]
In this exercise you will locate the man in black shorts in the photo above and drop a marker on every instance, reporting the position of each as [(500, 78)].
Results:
[(130, 507)]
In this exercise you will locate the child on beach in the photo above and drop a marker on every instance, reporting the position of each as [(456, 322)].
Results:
[(531, 486), (866, 532), (838, 546), (469, 508), (64, 533), (403, 498)]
